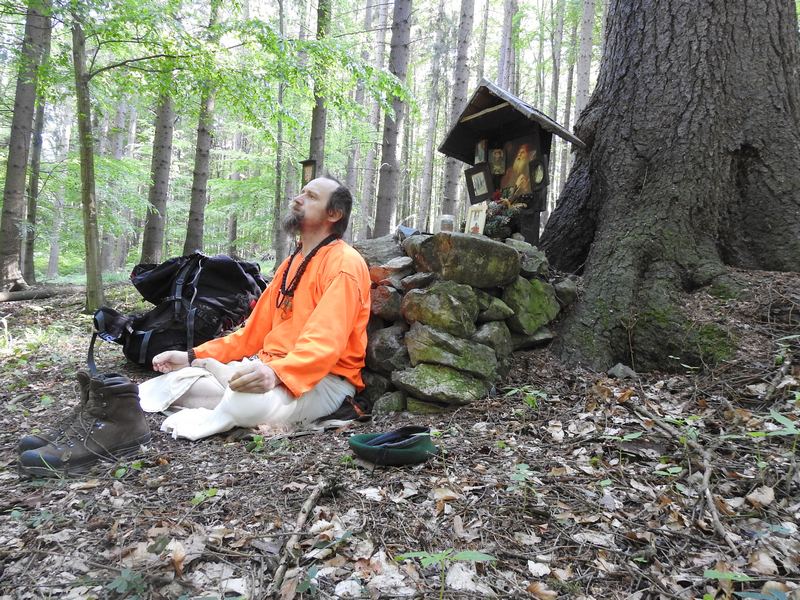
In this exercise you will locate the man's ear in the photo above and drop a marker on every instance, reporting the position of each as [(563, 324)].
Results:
[(334, 214)]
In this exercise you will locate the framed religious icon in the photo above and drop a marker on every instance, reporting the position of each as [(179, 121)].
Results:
[(479, 183), (476, 218), (480, 151), (517, 175), (497, 161), (538, 169)]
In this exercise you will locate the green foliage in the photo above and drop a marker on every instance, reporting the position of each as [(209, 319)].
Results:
[(444, 558), (726, 575), (203, 495), (129, 583)]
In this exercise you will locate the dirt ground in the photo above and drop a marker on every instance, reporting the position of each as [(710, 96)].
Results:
[(564, 483)]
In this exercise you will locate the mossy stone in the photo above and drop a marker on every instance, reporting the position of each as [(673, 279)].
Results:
[(440, 384), (445, 305), (534, 304), (428, 345)]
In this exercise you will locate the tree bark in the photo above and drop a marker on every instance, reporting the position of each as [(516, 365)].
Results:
[(36, 36), (278, 235), (388, 186), (94, 278), (481, 59), (155, 220), (370, 168), (452, 169), (687, 172), (432, 113), (319, 116)]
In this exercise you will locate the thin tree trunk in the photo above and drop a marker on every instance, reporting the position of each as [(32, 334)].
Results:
[(505, 66), (202, 160), (482, 52), (370, 168), (156, 217), (565, 149), (63, 137), (557, 15), (584, 57), (452, 169), (319, 117), (28, 270), (432, 113), (36, 36), (94, 277)]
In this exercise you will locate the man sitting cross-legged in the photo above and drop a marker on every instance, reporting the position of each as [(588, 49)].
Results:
[(301, 351)]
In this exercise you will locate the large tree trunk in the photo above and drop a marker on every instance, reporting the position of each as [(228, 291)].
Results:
[(202, 160), (37, 32), (452, 169), (319, 116), (388, 186), (94, 279), (153, 237), (687, 171), (481, 58)]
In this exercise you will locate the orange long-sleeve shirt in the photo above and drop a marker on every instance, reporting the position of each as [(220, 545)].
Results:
[(323, 332)]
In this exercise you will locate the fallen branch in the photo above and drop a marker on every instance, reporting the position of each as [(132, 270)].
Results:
[(283, 564), (39, 293), (705, 459)]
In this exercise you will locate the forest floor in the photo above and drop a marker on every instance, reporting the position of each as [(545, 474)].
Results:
[(577, 485)]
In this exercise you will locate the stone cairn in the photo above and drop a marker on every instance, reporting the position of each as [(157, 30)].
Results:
[(447, 311)]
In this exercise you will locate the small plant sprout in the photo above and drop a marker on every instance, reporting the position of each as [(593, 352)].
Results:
[(522, 479), (203, 495), (530, 395), (443, 559)]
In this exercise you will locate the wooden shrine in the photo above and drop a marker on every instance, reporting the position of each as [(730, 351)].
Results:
[(508, 143)]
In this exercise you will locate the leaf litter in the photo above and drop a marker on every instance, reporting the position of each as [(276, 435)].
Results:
[(667, 486)]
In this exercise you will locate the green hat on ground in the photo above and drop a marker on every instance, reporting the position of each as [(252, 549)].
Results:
[(405, 446)]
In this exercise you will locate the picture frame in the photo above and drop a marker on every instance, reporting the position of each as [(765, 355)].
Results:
[(497, 161), (520, 153), (476, 218), (480, 151), (539, 173), (480, 184), (309, 170)]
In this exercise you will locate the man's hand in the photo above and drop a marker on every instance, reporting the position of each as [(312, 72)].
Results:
[(254, 377), (171, 360)]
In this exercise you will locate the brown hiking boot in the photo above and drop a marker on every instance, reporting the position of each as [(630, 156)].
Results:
[(111, 426), (64, 427)]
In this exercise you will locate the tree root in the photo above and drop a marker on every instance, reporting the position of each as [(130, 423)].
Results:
[(283, 563), (705, 459)]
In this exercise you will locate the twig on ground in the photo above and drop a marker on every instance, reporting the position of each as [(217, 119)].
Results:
[(705, 458), (283, 563), (773, 385)]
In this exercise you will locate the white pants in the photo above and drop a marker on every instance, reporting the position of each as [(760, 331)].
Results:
[(212, 407)]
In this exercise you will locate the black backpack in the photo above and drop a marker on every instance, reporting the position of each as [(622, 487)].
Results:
[(197, 298)]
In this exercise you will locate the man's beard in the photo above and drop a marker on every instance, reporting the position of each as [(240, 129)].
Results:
[(291, 222)]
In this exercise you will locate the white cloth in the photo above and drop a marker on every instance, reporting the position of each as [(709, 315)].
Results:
[(158, 394), (276, 408)]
